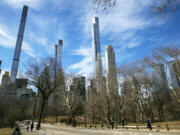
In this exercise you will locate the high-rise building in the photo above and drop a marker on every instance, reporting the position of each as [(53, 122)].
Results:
[(79, 86), (18, 89), (174, 74), (0, 65), (111, 73), (17, 52), (56, 73), (159, 74), (97, 54), (51, 68), (58, 55), (5, 79)]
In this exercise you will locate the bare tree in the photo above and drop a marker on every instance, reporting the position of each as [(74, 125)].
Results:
[(90, 105), (12, 110), (72, 101), (35, 97), (160, 6), (160, 57), (40, 75), (139, 89)]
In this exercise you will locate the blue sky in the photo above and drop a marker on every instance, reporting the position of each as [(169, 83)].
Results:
[(131, 27)]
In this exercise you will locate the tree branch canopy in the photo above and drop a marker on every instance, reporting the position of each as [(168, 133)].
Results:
[(160, 6)]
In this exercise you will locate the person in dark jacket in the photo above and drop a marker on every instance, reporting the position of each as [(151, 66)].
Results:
[(149, 124), (27, 128), (32, 126), (122, 123), (17, 131), (112, 124)]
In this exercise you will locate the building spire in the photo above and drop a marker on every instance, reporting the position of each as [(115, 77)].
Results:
[(17, 52), (97, 54)]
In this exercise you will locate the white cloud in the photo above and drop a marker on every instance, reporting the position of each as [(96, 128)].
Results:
[(83, 51), (35, 4), (120, 27), (122, 22), (28, 50), (5, 39), (122, 55), (8, 41), (41, 40), (46, 30), (85, 66)]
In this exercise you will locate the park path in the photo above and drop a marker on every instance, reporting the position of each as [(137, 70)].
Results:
[(55, 130)]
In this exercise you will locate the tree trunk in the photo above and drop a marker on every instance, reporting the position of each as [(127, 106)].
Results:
[(34, 111), (41, 114), (43, 117), (56, 117), (93, 117), (85, 122)]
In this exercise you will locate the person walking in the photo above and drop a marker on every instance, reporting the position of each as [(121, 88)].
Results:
[(102, 124), (32, 126), (149, 124), (27, 128), (17, 131), (112, 124), (122, 123)]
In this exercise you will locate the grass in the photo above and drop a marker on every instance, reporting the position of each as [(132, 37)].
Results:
[(6, 131), (168, 122), (79, 119)]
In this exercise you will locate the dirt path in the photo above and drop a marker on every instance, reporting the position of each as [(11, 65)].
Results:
[(55, 130)]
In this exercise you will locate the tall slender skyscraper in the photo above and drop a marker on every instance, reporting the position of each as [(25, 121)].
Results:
[(96, 38), (111, 73), (17, 52), (0, 65), (159, 74), (59, 55), (97, 54), (174, 73)]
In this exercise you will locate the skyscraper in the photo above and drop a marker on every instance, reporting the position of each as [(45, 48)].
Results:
[(17, 52), (96, 38), (58, 55), (111, 73), (0, 65), (97, 54), (173, 73), (51, 68), (159, 74)]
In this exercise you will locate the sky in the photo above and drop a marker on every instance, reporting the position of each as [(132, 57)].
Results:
[(132, 28)]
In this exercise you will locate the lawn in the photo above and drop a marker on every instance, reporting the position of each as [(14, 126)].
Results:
[(169, 123), (6, 131)]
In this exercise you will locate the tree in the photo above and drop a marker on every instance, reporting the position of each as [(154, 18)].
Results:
[(159, 62), (72, 101), (41, 76), (12, 110), (138, 85), (35, 98), (147, 88), (160, 6)]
